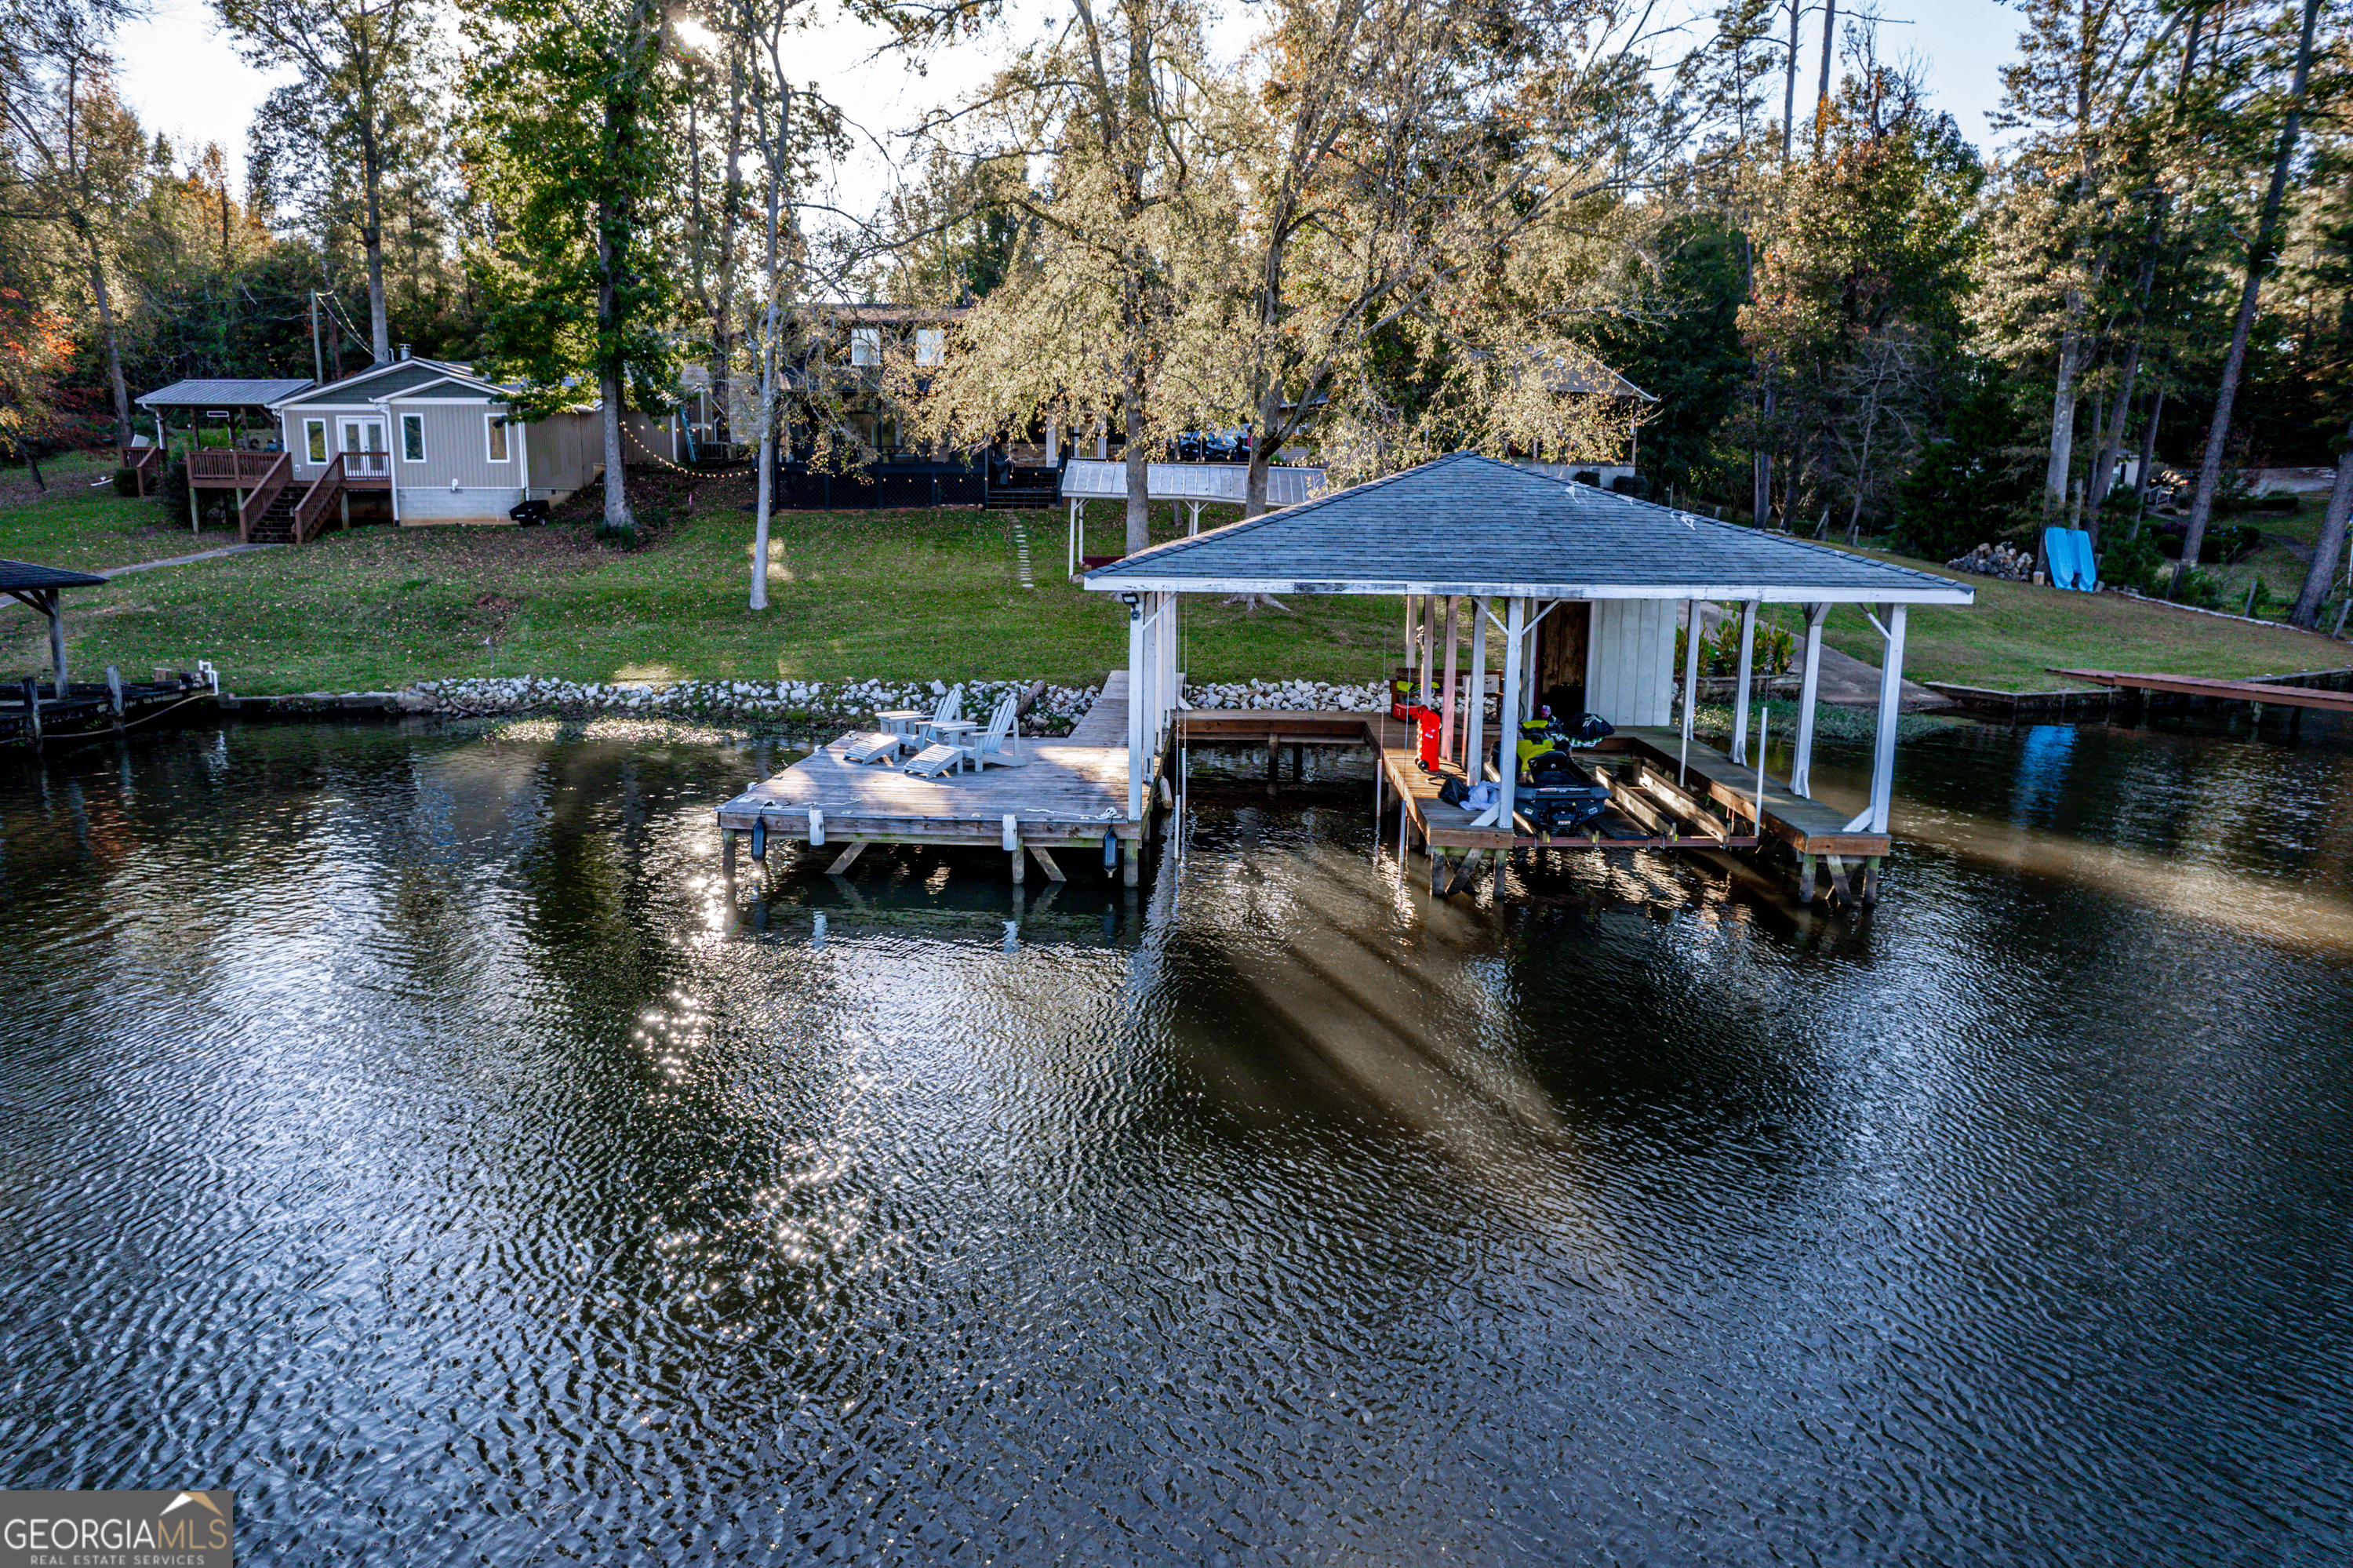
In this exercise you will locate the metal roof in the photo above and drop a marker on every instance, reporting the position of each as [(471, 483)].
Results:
[(219, 393), (1469, 525), (379, 381), (25, 576)]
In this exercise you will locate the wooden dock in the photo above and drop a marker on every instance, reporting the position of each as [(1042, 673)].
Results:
[(1713, 807), (1066, 793), (2262, 691)]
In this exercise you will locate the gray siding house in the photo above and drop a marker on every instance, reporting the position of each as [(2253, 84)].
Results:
[(448, 442)]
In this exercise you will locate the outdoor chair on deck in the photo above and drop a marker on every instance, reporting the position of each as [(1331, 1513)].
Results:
[(915, 723), (1001, 742)]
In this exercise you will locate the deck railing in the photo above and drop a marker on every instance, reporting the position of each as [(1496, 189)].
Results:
[(308, 517), (367, 465), (224, 469), (264, 492), (144, 463)]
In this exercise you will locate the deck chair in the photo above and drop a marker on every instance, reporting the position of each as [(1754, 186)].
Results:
[(1001, 742), (876, 746), (935, 759), (910, 723), (951, 707)]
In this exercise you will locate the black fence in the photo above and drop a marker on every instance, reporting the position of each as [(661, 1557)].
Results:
[(881, 486)]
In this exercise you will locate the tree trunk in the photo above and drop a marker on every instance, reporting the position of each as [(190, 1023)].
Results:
[(1139, 507), (2063, 415), (2330, 548), (2148, 450), (372, 238), (2260, 257), (608, 377), (2110, 446), (765, 500), (113, 341)]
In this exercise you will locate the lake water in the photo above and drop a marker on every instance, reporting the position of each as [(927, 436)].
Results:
[(407, 1131)]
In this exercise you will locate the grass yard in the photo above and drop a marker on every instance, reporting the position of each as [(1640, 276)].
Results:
[(901, 595), (2006, 640), (908, 594)]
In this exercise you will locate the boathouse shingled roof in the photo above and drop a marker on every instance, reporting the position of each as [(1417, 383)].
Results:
[(24, 577), (221, 393), (1470, 525)]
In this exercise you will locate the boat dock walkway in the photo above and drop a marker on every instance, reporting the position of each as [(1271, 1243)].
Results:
[(1065, 793), (1713, 807), (2263, 692)]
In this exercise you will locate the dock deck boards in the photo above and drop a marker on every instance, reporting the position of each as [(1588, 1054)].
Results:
[(1063, 793), (2207, 686)]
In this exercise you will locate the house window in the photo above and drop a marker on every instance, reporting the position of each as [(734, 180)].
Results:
[(314, 440), (412, 438), (931, 345), (495, 435), (865, 346)]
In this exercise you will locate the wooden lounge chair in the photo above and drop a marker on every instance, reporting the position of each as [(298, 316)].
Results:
[(912, 723), (876, 746), (936, 759), (1001, 742)]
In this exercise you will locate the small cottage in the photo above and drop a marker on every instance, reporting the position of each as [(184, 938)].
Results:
[(446, 444)]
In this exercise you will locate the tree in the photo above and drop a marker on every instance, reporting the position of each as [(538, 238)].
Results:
[(566, 105), (2262, 253), (367, 71), (76, 157), (34, 345)]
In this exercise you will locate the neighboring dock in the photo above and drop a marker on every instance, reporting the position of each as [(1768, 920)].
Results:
[(1067, 793), (2265, 694)]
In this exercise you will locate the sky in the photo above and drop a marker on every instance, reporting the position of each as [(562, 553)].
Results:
[(181, 76)]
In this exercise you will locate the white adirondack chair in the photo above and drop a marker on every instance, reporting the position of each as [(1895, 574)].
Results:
[(951, 708), (1001, 742)]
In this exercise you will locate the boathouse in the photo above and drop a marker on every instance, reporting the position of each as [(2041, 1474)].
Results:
[(1583, 589)]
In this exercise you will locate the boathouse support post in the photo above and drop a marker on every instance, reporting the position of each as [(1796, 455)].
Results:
[(1515, 615), (1809, 685), (1474, 754), (56, 612), (1136, 697), (1446, 684), (1740, 691), (1891, 696), (1691, 683), (1428, 645)]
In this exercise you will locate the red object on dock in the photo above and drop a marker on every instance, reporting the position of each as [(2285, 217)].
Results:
[(1430, 724)]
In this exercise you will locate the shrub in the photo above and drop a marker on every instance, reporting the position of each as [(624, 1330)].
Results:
[(1977, 483), (2134, 564), (126, 482), (2222, 544)]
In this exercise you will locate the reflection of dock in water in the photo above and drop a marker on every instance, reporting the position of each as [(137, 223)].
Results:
[(1066, 793)]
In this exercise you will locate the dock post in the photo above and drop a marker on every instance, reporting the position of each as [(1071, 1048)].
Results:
[(1805, 879), (1446, 681), (32, 706), (1809, 685), (1274, 765), (1475, 718), (1437, 874), (114, 693), (727, 854), (1507, 775), (1740, 692), (1013, 847), (1871, 880), (1131, 851)]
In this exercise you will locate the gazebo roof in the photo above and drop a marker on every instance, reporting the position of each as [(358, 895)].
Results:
[(26, 576), (1469, 525), (220, 393)]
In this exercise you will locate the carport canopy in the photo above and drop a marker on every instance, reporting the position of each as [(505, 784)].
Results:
[(1470, 526)]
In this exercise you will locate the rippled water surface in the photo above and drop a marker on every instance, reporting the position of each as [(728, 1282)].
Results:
[(407, 1131)]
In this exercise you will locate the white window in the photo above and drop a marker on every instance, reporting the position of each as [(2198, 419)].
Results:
[(412, 438), (931, 345), (494, 437), (865, 346), (314, 440)]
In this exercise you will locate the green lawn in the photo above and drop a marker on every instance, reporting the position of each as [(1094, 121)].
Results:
[(897, 595), (2006, 640), (86, 527), (903, 595)]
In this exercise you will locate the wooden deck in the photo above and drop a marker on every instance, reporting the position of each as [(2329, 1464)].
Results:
[(2229, 691), (1066, 793)]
